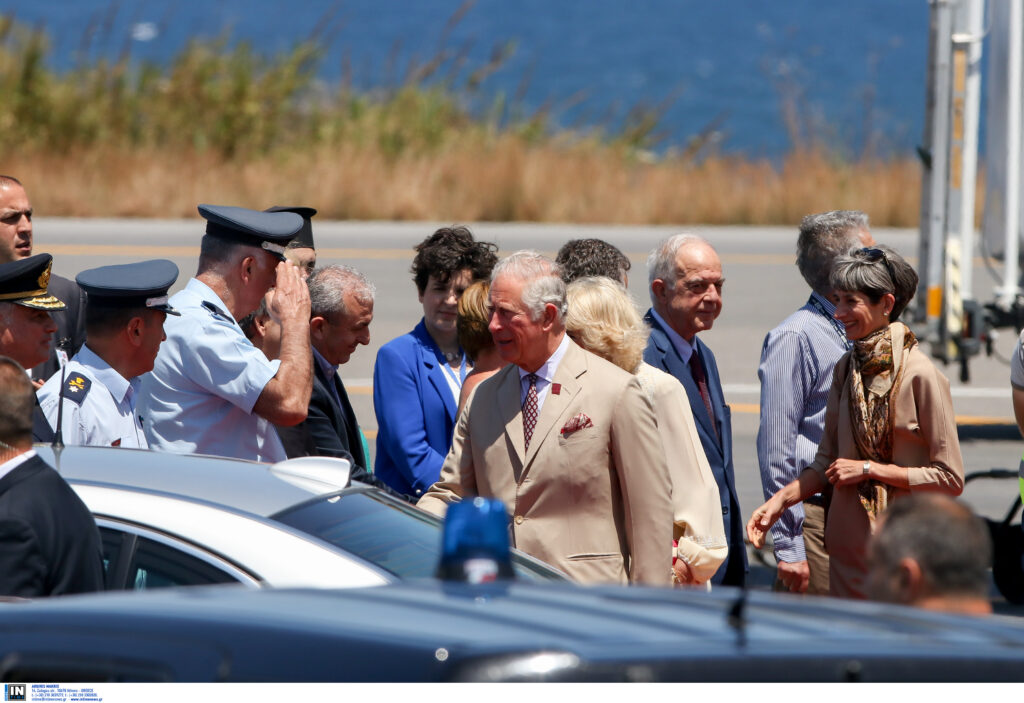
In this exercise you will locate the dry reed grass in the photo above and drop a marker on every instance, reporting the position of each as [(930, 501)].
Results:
[(503, 180)]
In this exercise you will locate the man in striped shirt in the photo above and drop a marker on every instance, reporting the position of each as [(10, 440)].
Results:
[(797, 360)]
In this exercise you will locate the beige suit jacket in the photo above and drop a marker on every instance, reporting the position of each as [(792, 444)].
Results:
[(924, 440), (595, 503)]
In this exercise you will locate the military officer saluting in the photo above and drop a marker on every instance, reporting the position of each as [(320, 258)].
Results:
[(211, 391), (124, 320)]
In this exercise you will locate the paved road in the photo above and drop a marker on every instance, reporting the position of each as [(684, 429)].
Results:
[(762, 287)]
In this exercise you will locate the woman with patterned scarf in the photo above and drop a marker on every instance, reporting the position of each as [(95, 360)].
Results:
[(889, 425)]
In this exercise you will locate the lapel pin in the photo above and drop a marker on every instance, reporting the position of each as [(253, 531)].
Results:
[(556, 388)]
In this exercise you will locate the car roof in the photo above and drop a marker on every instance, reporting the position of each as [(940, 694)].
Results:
[(256, 488), (428, 630)]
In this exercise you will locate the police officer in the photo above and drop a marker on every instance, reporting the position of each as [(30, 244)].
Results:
[(124, 319), (211, 391), (26, 328)]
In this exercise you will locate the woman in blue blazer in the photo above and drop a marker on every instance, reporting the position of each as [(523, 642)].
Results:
[(418, 376)]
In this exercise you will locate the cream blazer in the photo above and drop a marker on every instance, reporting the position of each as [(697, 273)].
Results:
[(697, 513), (595, 502), (924, 440)]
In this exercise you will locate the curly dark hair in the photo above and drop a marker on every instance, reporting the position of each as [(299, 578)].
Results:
[(448, 250), (591, 257)]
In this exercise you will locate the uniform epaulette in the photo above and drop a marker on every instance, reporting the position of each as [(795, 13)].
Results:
[(76, 387), (216, 311)]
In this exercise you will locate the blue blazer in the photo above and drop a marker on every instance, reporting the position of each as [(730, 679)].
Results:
[(415, 413), (661, 354)]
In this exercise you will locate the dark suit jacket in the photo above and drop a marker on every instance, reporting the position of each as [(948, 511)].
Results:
[(662, 355), (70, 323), (41, 430), (49, 544), (329, 429)]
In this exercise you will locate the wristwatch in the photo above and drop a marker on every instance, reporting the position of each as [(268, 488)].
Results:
[(867, 468)]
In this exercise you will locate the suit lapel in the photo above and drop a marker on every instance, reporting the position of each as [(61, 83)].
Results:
[(673, 364), (508, 397), (355, 442), (717, 400), (572, 366)]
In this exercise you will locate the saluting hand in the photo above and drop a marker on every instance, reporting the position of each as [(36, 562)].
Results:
[(290, 299)]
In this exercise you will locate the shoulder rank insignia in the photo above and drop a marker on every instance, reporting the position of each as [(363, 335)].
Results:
[(77, 387), (217, 312)]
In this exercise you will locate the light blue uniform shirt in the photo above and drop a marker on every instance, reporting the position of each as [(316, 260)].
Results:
[(99, 404), (206, 380)]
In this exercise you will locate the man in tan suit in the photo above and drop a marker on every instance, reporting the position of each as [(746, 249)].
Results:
[(567, 440)]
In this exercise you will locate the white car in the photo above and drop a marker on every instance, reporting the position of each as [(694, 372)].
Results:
[(172, 520)]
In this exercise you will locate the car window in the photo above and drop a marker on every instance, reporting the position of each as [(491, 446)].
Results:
[(396, 537), (156, 565)]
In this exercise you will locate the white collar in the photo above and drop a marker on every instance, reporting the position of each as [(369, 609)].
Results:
[(548, 369)]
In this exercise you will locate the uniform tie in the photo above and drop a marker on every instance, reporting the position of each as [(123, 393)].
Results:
[(530, 409), (697, 371)]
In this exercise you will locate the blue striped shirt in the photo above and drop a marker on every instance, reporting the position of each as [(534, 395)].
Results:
[(797, 360)]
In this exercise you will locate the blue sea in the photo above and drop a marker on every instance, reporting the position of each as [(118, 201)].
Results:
[(850, 72)]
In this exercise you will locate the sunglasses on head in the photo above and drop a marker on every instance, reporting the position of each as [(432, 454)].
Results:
[(873, 254)]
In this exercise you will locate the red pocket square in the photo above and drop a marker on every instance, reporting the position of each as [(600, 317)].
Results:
[(576, 423)]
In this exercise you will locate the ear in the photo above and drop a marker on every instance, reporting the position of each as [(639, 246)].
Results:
[(658, 288), (316, 328), (134, 330), (911, 580), (547, 320), (888, 303), (261, 325), (247, 267)]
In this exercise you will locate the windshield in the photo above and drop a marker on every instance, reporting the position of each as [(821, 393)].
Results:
[(396, 537)]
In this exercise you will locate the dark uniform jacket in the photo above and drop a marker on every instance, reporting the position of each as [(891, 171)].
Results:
[(49, 543)]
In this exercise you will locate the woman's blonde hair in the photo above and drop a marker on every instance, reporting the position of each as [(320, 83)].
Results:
[(603, 319), (473, 318)]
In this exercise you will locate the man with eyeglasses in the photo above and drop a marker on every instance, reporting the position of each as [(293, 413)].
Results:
[(686, 281), (797, 360)]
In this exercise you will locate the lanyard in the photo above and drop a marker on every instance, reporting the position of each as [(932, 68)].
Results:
[(836, 325)]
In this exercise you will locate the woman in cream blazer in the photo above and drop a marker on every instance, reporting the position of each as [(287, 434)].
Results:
[(603, 320)]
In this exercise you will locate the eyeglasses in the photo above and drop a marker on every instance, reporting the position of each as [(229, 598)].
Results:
[(873, 254)]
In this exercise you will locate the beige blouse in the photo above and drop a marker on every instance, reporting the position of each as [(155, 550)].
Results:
[(924, 440), (697, 513)]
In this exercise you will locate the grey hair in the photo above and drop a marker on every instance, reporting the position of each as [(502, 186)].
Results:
[(856, 272), (327, 288), (542, 281), (661, 263), (823, 238)]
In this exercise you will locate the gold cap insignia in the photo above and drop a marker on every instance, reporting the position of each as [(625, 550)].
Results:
[(44, 277)]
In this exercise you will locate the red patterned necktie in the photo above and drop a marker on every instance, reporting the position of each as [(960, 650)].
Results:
[(697, 370), (530, 409)]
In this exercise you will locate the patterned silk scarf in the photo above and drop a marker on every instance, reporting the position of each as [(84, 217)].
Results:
[(875, 378)]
